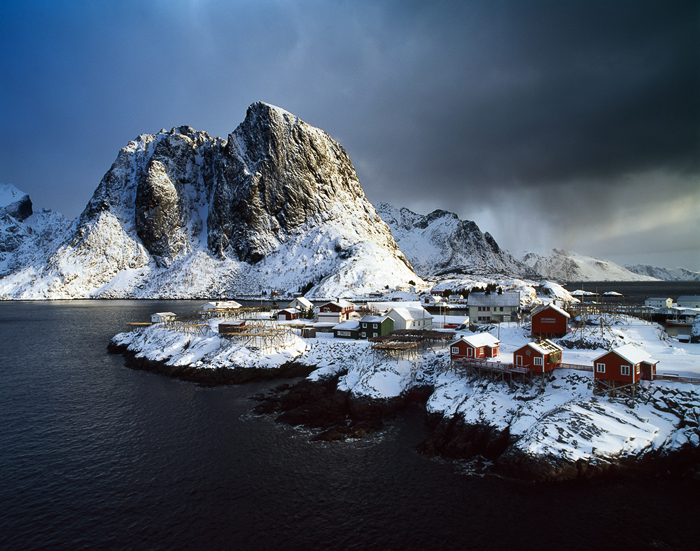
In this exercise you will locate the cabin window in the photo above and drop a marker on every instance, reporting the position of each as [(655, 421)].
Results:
[(374, 326), (538, 361), (527, 352), (624, 370), (600, 368), (638, 369), (363, 334), (375, 334), (481, 351), (455, 350), (364, 325), (470, 352)]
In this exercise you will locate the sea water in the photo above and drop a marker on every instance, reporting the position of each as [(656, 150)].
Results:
[(94, 455)]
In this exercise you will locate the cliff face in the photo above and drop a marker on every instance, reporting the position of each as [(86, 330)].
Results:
[(679, 274), (440, 243), (276, 205)]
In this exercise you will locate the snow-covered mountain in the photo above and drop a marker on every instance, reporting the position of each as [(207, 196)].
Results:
[(561, 265), (679, 274), (440, 243), (24, 233), (180, 214), (14, 202)]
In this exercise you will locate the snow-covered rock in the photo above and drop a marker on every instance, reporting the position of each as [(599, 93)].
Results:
[(440, 243), (679, 274), (180, 214), (561, 265), (14, 203)]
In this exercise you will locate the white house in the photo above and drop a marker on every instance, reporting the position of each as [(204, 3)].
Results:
[(162, 317), (300, 303), (218, 306), (493, 307), (658, 302), (410, 318), (688, 301)]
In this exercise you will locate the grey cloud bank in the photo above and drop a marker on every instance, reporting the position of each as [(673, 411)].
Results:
[(572, 125)]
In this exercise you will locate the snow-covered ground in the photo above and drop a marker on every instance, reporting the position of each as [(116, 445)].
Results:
[(558, 418)]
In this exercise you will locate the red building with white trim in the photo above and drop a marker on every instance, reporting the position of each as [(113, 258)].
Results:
[(482, 345), (539, 357), (626, 365), (550, 321)]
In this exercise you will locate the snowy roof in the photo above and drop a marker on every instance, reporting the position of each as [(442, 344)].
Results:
[(409, 313), (494, 299), (688, 298), (552, 307), (164, 314), (545, 346), (348, 325), (290, 310), (340, 302), (219, 305), (373, 319), (305, 302), (481, 339), (630, 353), (659, 298)]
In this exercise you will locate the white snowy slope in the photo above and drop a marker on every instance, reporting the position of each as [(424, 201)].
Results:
[(440, 243), (180, 214), (25, 234), (679, 274), (560, 265)]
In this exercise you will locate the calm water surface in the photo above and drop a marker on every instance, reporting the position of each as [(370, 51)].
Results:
[(96, 456)]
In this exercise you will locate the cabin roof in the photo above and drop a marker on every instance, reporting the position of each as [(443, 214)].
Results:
[(494, 299), (630, 353), (480, 339)]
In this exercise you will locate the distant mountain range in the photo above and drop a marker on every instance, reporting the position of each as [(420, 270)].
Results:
[(275, 206), (440, 244), (679, 274)]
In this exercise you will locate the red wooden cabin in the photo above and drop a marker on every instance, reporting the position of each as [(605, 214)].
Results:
[(288, 314), (550, 321), (482, 345), (231, 327), (626, 364), (538, 357)]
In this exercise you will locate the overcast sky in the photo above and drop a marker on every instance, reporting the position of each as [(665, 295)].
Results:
[(561, 124)]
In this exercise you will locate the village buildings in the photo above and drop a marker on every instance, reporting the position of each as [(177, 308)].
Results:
[(549, 321), (349, 329), (688, 301), (335, 312), (288, 314), (539, 357), (481, 345), (375, 326), (627, 364), (302, 304), (658, 302), (162, 317), (493, 308), (410, 318)]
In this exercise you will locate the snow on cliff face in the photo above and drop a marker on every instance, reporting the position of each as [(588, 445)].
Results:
[(679, 274), (562, 265), (180, 214), (14, 202), (440, 243)]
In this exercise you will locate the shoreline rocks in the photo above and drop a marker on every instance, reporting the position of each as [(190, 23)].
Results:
[(338, 415)]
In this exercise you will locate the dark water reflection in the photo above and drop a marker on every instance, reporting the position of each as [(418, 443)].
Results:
[(96, 456)]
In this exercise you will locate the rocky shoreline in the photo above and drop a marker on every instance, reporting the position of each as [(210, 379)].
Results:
[(337, 415)]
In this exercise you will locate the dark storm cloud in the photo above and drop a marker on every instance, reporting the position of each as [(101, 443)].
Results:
[(493, 106)]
